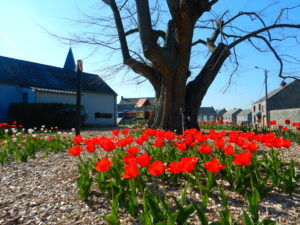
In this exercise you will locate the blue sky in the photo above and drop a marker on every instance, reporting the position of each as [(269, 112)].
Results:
[(22, 37)]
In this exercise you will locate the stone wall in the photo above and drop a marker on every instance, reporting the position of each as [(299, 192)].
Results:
[(285, 114)]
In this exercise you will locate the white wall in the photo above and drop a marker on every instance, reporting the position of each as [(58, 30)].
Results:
[(93, 103), (48, 97), (96, 103)]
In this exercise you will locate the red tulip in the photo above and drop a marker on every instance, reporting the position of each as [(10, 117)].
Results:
[(219, 143), (133, 150), (128, 159), (273, 122), (90, 147), (181, 146), (174, 167), (75, 150), (115, 132), (242, 159), (143, 159), (103, 165), (287, 122), (252, 147), (125, 131), (156, 168), (169, 135), (287, 143), (77, 139), (229, 150), (188, 164), (108, 145), (131, 171), (205, 149), (189, 139), (214, 165), (159, 142)]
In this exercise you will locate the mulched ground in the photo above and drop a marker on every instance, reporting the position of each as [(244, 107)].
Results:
[(43, 191)]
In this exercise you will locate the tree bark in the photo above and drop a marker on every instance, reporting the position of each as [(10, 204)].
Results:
[(196, 89), (167, 110)]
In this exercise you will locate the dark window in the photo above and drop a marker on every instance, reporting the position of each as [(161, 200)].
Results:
[(103, 115), (25, 98), (254, 108), (259, 107)]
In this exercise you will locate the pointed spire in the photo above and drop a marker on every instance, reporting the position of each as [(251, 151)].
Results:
[(70, 61)]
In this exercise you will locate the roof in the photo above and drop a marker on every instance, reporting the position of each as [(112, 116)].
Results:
[(220, 112), (25, 73), (274, 92), (207, 110), (142, 102), (231, 111), (245, 112), (53, 91), (70, 61), (133, 101)]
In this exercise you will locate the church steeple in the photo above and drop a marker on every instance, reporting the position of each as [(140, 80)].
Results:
[(70, 61)]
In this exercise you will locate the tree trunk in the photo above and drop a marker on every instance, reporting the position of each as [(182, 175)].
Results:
[(174, 97), (169, 102), (196, 89)]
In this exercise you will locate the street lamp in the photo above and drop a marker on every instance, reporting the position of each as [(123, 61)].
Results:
[(78, 96), (266, 94)]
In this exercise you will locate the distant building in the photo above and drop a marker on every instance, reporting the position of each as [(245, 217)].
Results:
[(207, 114), (245, 116), (28, 82), (220, 113), (231, 115), (129, 104), (286, 99)]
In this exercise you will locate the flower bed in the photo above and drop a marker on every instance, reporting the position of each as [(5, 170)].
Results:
[(131, 167), (18, 144)]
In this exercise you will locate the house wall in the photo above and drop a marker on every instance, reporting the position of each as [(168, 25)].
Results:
[(12, 94), (288, 98), (245, 118), (227, 118), (48, 97), (98, 103), (259, 107), (93, 103), (285, 114), (206, 118)]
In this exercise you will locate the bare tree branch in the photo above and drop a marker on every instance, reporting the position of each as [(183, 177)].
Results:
[(254, 33), (199, 41)]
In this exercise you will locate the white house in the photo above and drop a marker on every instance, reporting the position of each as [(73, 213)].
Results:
[(28, 82)]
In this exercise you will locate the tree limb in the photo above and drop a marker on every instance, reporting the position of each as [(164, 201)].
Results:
[(254, 33), (138, 67)]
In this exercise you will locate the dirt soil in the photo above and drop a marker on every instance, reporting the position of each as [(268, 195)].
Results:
[(44, 191)]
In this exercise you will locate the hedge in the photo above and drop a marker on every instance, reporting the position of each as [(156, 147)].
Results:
[(32, 115)]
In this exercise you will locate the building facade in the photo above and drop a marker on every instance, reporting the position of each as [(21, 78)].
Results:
[(231, 115), (283, 98), (28, 82), (207, 114), (245, 116)]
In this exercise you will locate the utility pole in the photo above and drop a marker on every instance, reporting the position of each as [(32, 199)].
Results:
[(266, 95), (78, 96)]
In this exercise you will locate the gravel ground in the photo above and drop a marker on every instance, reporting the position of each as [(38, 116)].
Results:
[(43, 191)]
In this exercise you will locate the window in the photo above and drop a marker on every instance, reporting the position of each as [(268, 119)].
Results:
[(103, 115), (259, 107), (25, 97), (262, 108), (254, 108)]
